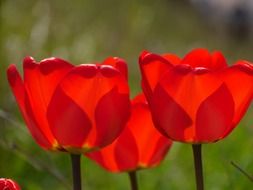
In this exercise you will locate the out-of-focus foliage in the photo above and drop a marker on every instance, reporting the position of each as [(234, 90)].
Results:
[(89, 30)]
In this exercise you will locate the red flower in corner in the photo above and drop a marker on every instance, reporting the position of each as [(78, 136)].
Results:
[(8, 184), (72, 108), (140, 145), (197, 99)]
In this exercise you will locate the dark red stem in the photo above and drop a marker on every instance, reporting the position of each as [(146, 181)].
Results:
[(133, 180), (76, 171), (198, 166)]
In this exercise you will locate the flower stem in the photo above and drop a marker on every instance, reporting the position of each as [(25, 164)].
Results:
[(133, 180), (76, 171), (198, 166)]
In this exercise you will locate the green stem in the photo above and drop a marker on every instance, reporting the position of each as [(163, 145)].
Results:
[(242, 171), (133, 180), (198, 166), (76, 171)]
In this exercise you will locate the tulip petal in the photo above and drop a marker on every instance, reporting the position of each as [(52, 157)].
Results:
[(202, 58), (126, 151), (169, 117), (69, 123), (105, 157), (239, 80), (163, 144), (17, 86), (117, 63), (214, 116), (8, 184), (173, 59), (111, 115), (89, 86), (218, 61), (198, 58), (142, 128), (121, 155), (189, 87), (40, 81), (18, 90), (152, 68)]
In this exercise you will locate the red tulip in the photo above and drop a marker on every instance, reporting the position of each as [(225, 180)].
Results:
[(8, 184), (197, 99), (140, 145), (72, 108)]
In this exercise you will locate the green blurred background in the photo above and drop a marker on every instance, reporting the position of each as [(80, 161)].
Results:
[(83, 31)]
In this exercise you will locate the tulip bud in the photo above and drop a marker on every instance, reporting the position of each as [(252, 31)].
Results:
[(8, 184)]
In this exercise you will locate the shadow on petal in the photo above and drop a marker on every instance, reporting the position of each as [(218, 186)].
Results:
[(126, 151), (169, 117), (111, 115), (215, 115), (69, 123)]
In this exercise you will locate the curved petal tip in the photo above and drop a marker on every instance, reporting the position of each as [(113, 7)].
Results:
[(86, 70), (29, 62), (147, 57), (143, 54), (12, 74), (108, 71), (244, 66), (118, 64)]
